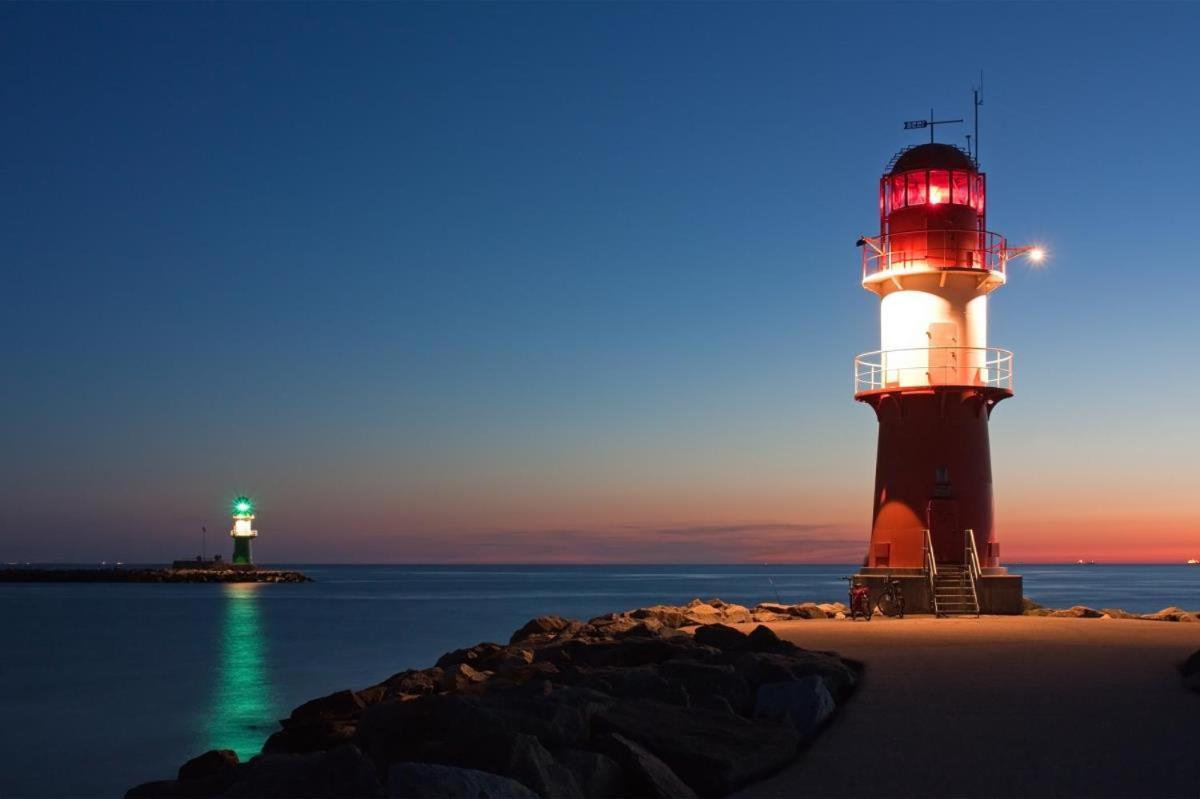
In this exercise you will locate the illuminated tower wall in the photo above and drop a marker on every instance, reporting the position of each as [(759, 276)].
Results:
[(243, 532), (934, 382)]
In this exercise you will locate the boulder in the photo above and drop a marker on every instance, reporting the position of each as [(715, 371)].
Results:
[(216, 763), (736, 614), (543, 626), (1028, 605), (703, 681), (431, 781), (596, 774), (461, 677), (764, 639), (719, 636), (340, 772), (772, 607), (758, 668), (766, 616), (341, 704), (417, 682), (805, 704), (668, 615), (645, 775), (1118, 613), (478, 656), (1171, 614), (712, 752), (703, 613), (1191, 665), (1076, 612), (158, 789), (807, 611)]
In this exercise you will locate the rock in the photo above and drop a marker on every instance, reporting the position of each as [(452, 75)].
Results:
[(648, 628), (766, 616), (460, 677), (1076, 612), (598, 775), (1190, 666), (641, 682), (478, 656), (757, 668), (645, 774), (703, 613), (340, 772), (807, 611), (342, 704), (430, 781), (736, 614), (1170, 614), (159, 789), (805, 704), (712, 752), (764, 639), (214, 764), (668, 615), (841, 614), (424, 681), (703, 681), (543, 626), (720, 636), (772, 607), (1028, 605), (1118, 613), (831, 609)]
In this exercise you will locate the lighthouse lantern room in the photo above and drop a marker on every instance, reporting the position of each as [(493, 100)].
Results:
[(933, 384), (242, 532)]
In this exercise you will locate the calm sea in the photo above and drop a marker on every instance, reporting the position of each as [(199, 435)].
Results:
[(106, 686)]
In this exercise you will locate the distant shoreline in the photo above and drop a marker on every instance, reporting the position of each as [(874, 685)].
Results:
[(144, 575)]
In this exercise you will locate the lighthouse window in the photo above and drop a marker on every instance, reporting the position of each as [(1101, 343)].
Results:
[(960, 188), (916, 188), (897, 192), (977, 194), (939, 187)]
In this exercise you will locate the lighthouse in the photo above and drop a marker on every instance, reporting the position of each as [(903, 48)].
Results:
[(242, 532), (934, 383)]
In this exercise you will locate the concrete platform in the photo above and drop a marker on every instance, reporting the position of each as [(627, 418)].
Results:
[(1003, 706)]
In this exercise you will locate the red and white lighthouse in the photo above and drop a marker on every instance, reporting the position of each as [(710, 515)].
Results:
[(934, 382)]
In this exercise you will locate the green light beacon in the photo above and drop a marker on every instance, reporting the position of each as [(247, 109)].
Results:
[(243, 515)]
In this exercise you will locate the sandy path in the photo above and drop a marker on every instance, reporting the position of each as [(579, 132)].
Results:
[(1004, 706)]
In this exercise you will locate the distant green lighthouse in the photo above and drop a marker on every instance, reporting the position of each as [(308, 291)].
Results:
[(242, 533)]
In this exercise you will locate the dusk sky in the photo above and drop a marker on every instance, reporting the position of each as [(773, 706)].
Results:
[(570, 282)]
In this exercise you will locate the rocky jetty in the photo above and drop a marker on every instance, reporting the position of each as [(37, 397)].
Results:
[(123, 575), (1083, 612), (627, 704)]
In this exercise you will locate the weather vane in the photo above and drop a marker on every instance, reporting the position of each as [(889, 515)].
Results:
[(916, 124)]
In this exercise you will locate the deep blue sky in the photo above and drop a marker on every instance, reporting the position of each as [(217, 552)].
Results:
[(422, 276)]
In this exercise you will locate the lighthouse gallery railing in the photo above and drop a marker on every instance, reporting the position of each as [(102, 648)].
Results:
[(935, 249), (984, 367)]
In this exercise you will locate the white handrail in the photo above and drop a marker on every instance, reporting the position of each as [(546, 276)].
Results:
[(916, 367)]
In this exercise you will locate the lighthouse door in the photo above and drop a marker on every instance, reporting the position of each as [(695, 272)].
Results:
[(943, 354), (944, 532)]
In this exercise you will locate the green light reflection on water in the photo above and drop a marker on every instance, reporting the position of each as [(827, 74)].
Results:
[(242, 713)]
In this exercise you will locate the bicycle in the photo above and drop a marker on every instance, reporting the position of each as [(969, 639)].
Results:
[(891, 599), (859, 600)]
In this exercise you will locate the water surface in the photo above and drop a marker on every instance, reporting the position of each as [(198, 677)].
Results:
[(107, 685)]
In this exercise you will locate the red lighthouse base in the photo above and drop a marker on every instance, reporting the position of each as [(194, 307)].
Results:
[(933, 472)]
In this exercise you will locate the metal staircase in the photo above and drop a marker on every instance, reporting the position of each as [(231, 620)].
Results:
[(954, 591), (952, 586)]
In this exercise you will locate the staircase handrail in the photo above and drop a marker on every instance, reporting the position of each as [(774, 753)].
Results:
[(931, 571), (972, 555)]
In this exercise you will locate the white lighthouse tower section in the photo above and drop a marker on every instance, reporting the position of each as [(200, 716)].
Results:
[(933, 330), (242, 529)]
